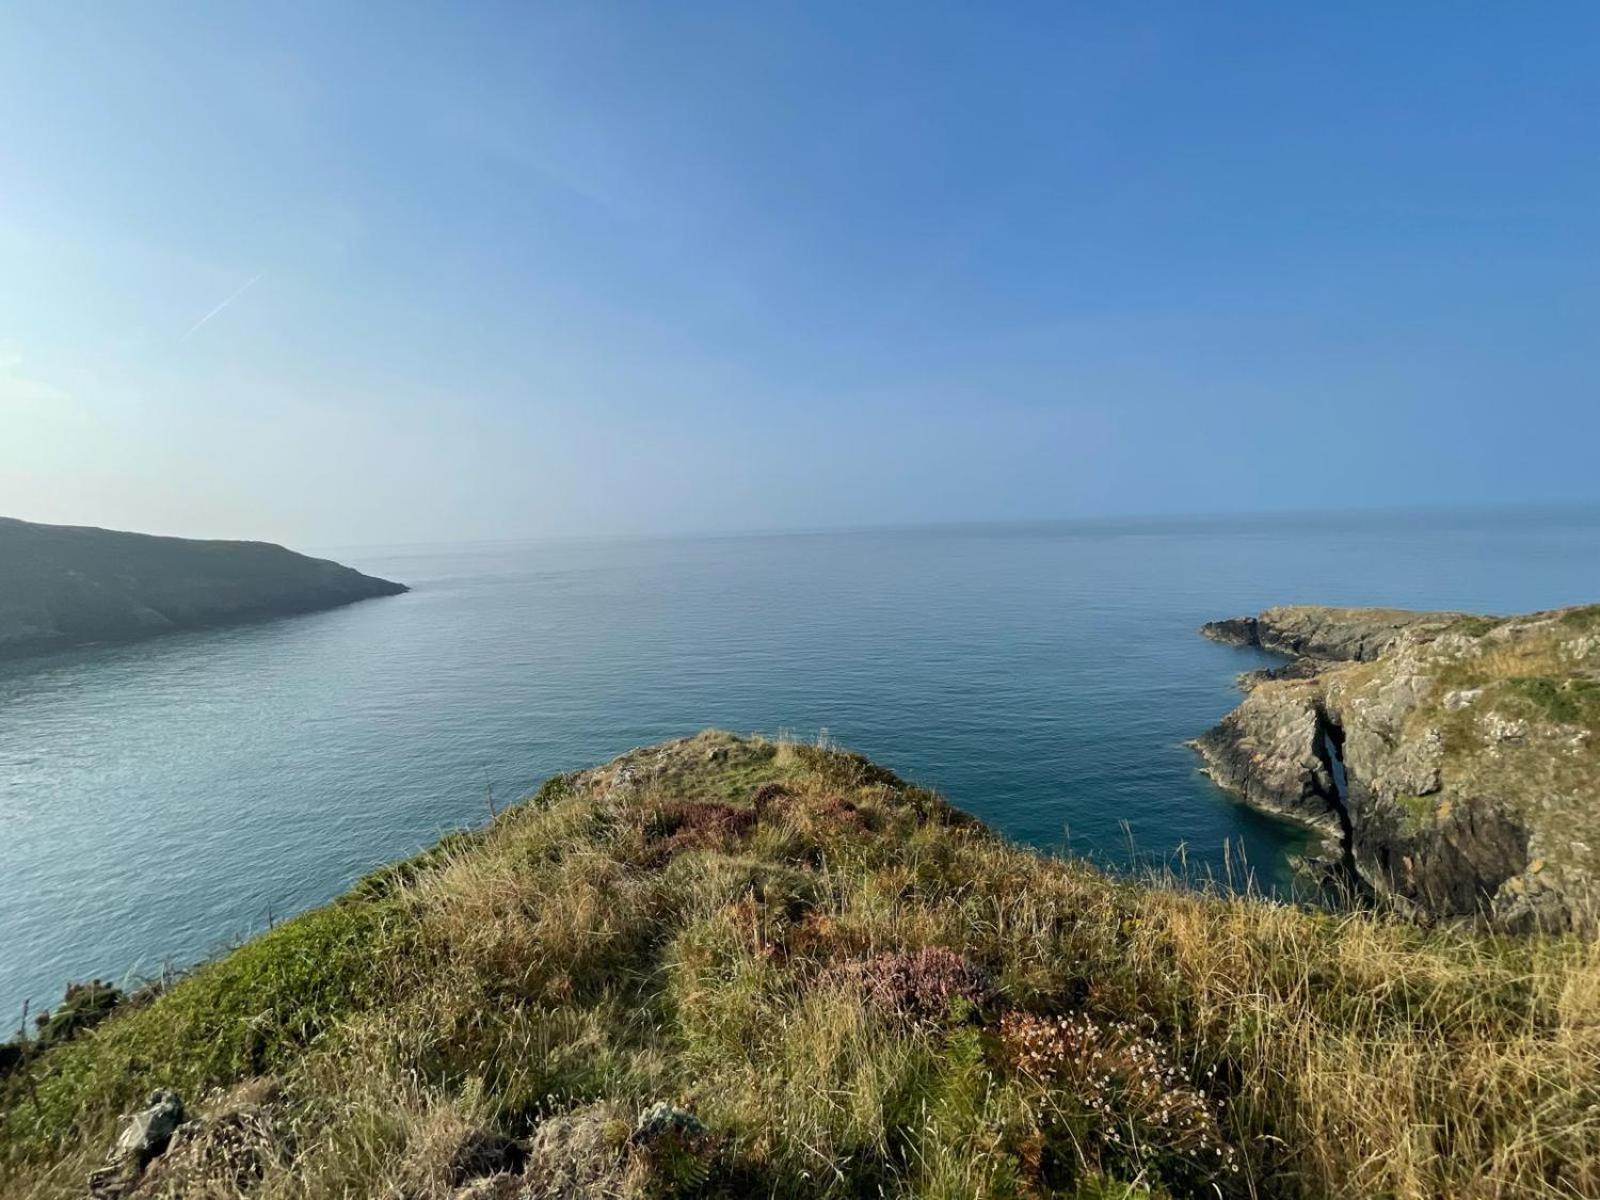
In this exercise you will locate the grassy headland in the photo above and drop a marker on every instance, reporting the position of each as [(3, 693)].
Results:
[(856, 991), (65, 585)]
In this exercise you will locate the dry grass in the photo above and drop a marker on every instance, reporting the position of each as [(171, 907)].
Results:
[(859, 992)]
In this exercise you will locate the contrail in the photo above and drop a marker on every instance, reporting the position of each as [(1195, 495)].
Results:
[(220, 307)]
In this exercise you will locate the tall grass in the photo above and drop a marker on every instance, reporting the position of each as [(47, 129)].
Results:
[(732, 926)]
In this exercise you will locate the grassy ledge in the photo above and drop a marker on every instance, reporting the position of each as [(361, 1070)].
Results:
[(856, 991)]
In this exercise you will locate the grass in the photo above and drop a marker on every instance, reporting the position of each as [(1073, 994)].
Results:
[(1473, 626), (1567, 701), (1419, 809), (1583, 620), (858, 991)]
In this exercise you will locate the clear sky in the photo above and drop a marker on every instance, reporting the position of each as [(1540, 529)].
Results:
[(328, 274)]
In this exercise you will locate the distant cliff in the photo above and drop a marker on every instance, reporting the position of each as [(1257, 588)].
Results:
[(1455, 758), (64, 585)]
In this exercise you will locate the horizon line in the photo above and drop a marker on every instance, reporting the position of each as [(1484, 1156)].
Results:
[(1125, 522)]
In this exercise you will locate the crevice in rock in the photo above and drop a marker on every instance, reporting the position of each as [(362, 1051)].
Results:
[(1328, 746)]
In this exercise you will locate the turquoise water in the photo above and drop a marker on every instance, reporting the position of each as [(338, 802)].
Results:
[(157, 800)]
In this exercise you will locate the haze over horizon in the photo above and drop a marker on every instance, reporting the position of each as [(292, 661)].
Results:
[(325, 279)]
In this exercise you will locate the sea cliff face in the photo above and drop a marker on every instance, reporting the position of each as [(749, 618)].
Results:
[(66, 585), (1469, 748)]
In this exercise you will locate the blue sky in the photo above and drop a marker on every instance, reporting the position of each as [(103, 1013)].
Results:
[(521, 270)]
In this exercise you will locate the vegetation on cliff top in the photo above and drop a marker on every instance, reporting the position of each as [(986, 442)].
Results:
[(854, 990)]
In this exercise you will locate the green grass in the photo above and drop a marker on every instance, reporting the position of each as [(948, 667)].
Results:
[(1473, 626), (1419, 809), (252, 1012), (1568, 701), (678, 931), (1582, 620)]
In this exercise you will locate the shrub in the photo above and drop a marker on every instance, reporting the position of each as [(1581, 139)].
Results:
[(927, 984)]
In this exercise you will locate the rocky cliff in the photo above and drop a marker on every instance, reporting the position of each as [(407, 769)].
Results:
[(1455, 759), (64, 585)]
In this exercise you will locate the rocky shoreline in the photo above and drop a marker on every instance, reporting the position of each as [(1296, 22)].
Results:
[(1451, 760)]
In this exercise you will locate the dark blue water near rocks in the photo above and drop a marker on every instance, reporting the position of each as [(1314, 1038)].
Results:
[(158, 800)]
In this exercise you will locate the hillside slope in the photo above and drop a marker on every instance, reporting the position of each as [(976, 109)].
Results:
[(731, 967), (62, 585), (1470, 748)]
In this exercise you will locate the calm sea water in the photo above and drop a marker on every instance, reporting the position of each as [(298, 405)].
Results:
[(157, 800)]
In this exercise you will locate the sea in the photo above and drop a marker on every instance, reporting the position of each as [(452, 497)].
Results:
[(161, 800)]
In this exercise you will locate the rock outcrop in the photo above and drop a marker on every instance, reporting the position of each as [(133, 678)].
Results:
[(1332, 634), (144, 1135), (161, 1154), (1457, 758), (1270, 752), (65, 585)]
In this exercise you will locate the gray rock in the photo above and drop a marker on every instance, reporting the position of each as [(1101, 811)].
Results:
[(1269, 752), (144, 1135), (1298, 668), (662, 1118), (1233, 631), (1316, 631), (147, 1132)]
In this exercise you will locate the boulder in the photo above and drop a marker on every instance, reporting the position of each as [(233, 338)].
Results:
[(147, 1132), (143, 1136)]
